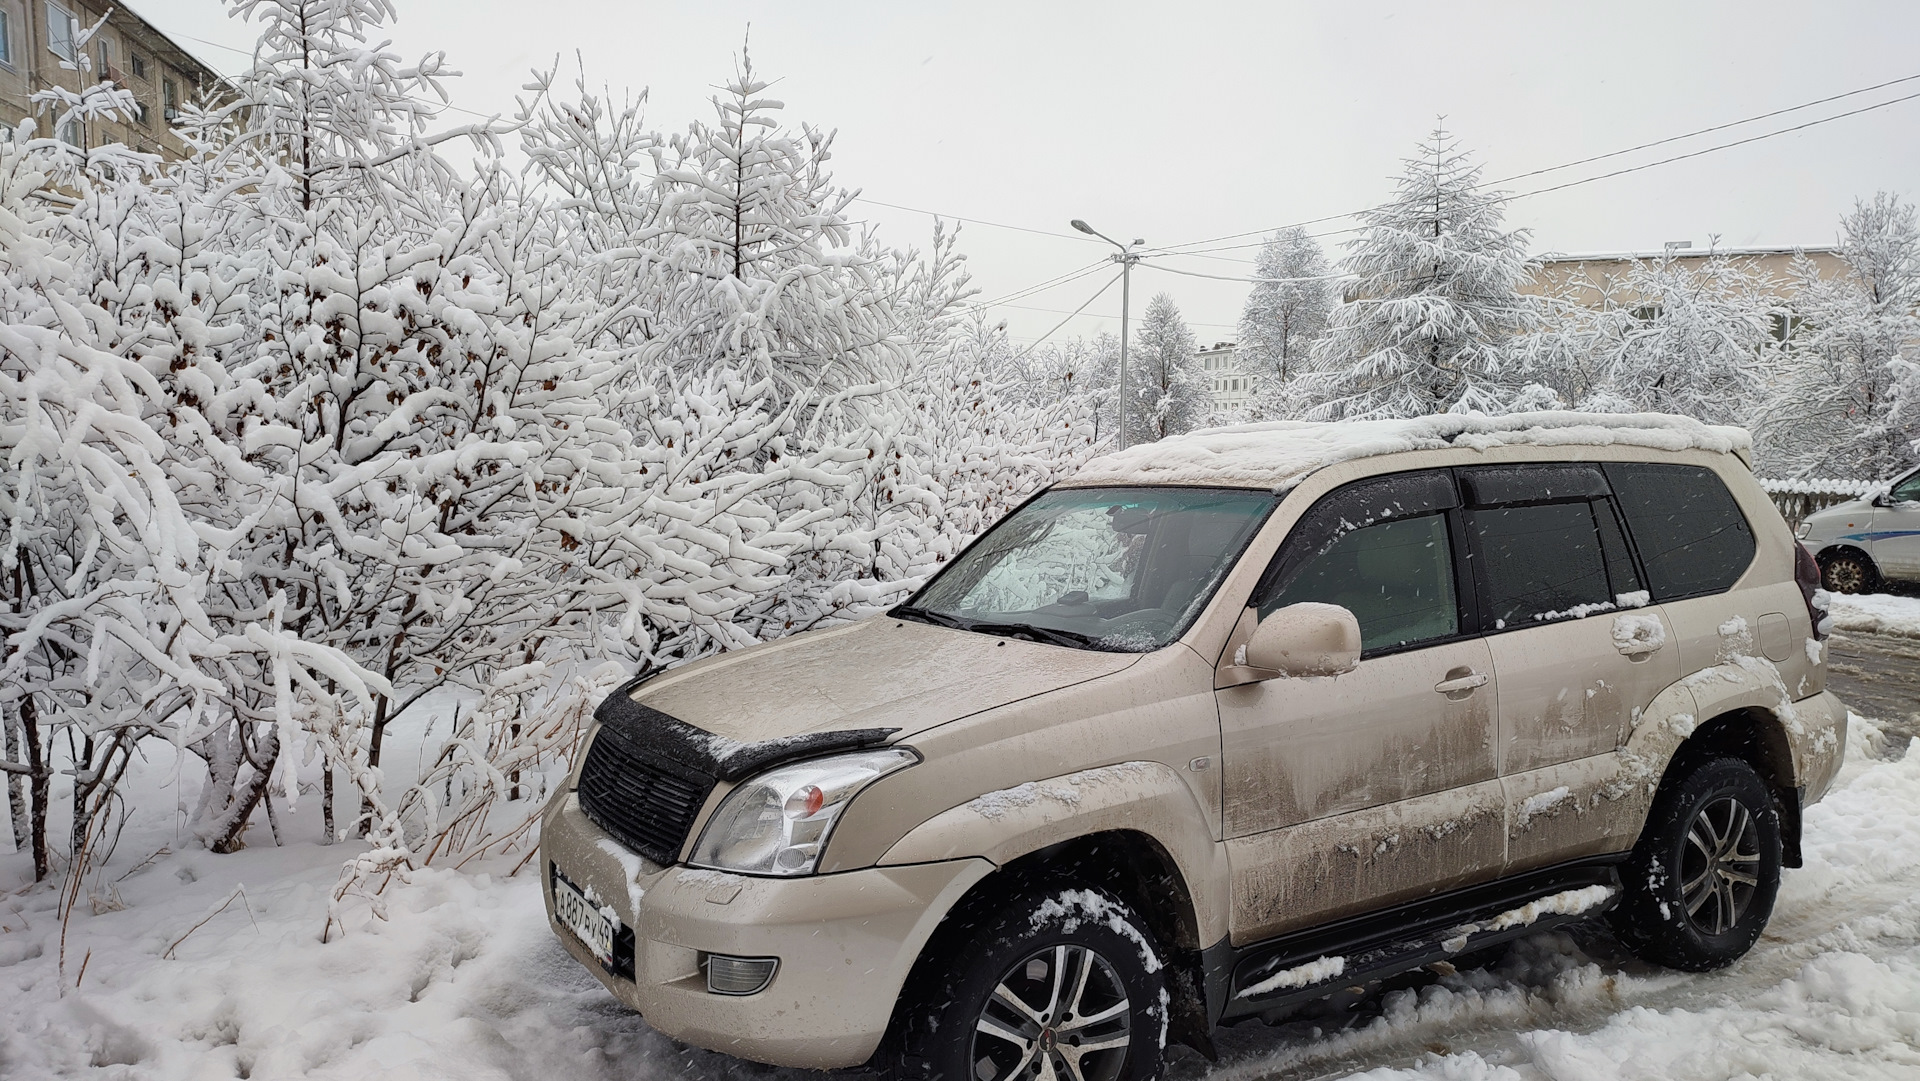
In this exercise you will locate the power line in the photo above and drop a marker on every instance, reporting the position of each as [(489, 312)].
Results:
[(1050, 283), (1063, 311), (1195, 246), (1256, 281), (1722, 146), (1063, 322), (973, 221), (1704, 131)]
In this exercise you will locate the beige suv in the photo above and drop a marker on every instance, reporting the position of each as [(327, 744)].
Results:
[(1221, 725)]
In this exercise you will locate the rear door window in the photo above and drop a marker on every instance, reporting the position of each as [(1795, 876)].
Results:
[(1690, 533), (1538, 563), (1546, 543)]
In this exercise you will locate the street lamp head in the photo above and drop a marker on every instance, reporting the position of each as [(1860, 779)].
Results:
[(1082, 226), (1137, 242)]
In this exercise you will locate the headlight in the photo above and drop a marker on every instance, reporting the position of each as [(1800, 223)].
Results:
[(1802, 530), (777, 823)]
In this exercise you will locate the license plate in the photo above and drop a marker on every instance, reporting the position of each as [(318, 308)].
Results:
[(592, 926)]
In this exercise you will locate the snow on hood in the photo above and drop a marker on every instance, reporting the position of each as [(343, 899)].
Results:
[(1280, 454), (877, 673)]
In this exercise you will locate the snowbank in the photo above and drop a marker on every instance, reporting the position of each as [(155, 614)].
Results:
[(1875, 613), (463, 980), (1279, 454)]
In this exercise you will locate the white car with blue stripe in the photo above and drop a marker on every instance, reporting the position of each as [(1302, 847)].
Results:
[(1863, 542)]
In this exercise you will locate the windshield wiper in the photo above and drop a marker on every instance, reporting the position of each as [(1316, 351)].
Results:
[(1049, 635), (921, 615), (1027, 631)]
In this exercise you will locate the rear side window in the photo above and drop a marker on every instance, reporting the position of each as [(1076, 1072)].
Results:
[(1538, 563), (1692, 538)]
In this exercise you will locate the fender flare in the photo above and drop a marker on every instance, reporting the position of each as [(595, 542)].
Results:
[(1147, 798)]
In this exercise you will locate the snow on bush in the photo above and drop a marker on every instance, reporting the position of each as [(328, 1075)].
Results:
[(310, 434)]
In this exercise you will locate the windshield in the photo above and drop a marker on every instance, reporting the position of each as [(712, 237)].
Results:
[(1122, 569)]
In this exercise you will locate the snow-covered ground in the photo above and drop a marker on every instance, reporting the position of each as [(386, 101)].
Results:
[(462, 979), (1876, 613)]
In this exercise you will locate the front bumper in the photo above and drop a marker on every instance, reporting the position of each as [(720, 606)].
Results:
[(845, 942)]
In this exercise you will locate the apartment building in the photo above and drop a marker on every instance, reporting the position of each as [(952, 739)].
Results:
[(1599, 279), (1232, 386), (41, 47)]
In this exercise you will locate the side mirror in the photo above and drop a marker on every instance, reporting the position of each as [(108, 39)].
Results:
[(1883, 499), (1305, 639)]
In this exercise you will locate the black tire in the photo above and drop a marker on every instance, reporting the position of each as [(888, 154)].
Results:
[(1699, 887), (1849, 572), (1114, 990)]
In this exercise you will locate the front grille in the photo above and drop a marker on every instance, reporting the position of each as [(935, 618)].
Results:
[(646, 804)]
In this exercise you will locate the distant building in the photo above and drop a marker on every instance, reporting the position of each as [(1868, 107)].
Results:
[(1232, 386), (37, 36), (1598, 279)]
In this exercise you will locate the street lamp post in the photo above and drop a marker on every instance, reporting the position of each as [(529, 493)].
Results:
[(1126, 258)]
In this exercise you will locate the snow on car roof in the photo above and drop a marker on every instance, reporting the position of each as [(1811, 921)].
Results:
[(1279, 454)]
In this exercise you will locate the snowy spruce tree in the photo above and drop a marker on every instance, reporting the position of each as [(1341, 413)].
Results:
[(1286, 312), (1849, 405), (1435, 297), (1167, 392)]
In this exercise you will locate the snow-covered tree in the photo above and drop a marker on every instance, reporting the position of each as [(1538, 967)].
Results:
[(1286, 311), (1696, 341), (1167, 391), (1850, 403), (310, 428), (1436, 296)]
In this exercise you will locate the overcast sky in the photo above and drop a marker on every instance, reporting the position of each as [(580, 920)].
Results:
[(1179, 122)]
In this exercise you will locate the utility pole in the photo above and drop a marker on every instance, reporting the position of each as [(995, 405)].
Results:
[(1126, 258)]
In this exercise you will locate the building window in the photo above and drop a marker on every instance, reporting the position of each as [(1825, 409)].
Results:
[(103, 59), (6, 37), (139, 65), (70, 133), (61, 30), (143, 114), (169, 99)]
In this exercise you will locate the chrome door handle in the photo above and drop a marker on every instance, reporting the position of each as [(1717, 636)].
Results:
[(1457, 684)]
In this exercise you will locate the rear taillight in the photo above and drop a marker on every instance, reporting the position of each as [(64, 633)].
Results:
[(1806, 575)]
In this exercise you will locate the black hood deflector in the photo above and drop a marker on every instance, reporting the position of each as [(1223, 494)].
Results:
[(661, 736)]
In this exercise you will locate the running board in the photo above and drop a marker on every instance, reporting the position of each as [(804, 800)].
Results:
[(1306, 965)]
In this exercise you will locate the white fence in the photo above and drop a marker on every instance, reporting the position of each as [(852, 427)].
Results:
[(1799, 498)]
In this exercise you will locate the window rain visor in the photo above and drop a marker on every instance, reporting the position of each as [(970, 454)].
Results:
[(1118, 569)]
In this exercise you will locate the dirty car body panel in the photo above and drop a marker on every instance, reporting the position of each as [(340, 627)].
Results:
[(1456, 771)]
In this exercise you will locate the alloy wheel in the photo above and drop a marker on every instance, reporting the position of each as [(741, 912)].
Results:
[(1061, 1014), (1720, 865), (1847, 575)]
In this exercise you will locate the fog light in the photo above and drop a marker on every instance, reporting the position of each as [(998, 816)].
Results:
[(739, 975)]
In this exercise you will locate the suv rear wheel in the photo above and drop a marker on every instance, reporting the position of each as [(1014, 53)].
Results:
[(1848, 572), (1062, 984), (1699, 887)]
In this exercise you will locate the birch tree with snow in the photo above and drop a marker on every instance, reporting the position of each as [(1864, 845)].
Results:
[(1286, 312), (1696, 340), (1435, 297)]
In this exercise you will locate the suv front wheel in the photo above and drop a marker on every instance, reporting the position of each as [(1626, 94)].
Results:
[(1063, 984), (1700, 885)]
